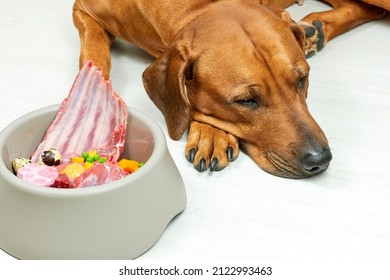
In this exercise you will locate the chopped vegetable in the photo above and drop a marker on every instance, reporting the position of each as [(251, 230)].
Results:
[(73, 170), (77, 160), (129, 165)]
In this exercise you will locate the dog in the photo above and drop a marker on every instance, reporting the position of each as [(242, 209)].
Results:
[(233, 72)]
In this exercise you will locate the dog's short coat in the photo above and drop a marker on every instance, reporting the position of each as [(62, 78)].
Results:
[(233, 71)]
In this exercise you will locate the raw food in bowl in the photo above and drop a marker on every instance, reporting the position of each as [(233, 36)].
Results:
[(117, 220)]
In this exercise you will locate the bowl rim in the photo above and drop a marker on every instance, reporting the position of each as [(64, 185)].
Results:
[(159, 149)]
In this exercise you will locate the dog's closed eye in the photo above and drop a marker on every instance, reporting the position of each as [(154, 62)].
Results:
[(250, 99), (302, 85), (302, 82), (250, 103)]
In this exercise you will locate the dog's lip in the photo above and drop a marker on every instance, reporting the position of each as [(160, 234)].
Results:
[(274, 163), (287, 170), (283, 167), (280, 166)]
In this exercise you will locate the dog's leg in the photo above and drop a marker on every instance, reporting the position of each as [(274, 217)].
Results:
[(208, 146), (321, 27), (95, 42)]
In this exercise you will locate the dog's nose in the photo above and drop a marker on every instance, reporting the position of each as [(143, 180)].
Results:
[(316, 161)]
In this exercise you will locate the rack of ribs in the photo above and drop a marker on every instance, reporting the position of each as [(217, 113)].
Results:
[(92, 117)]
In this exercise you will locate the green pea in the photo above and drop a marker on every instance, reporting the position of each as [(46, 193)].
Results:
[(96, 157), (102, 160), (141, 164), (90, 160), (84, 155)]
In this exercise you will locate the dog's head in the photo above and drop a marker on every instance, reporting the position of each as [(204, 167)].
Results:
[(241, 68)]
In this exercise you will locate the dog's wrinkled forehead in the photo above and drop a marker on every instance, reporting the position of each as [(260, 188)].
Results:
[(247, 49), (258, 34), (231, 23)]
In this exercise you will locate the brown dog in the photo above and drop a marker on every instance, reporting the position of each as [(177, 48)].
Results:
[(234, 71)]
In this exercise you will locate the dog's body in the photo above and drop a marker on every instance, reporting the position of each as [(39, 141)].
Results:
[(232, 70)]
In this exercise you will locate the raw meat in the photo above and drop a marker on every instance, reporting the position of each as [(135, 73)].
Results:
[(92, 117), (38, 174), (99, 174), (62, 182)]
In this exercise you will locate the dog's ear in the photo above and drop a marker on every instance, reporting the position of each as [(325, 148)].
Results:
[(295, 28), (164, 81)]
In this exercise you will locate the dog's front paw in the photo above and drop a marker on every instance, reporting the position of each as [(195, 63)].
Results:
[(314, 37), (208, 146)]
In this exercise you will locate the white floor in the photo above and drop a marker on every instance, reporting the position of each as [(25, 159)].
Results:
[(241, 212)]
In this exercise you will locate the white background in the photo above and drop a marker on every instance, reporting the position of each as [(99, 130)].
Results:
[(241, 212)]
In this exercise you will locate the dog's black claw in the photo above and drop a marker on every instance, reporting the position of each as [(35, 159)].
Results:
[(229, 153), (214, 164), (191, 155), (202, 165)]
